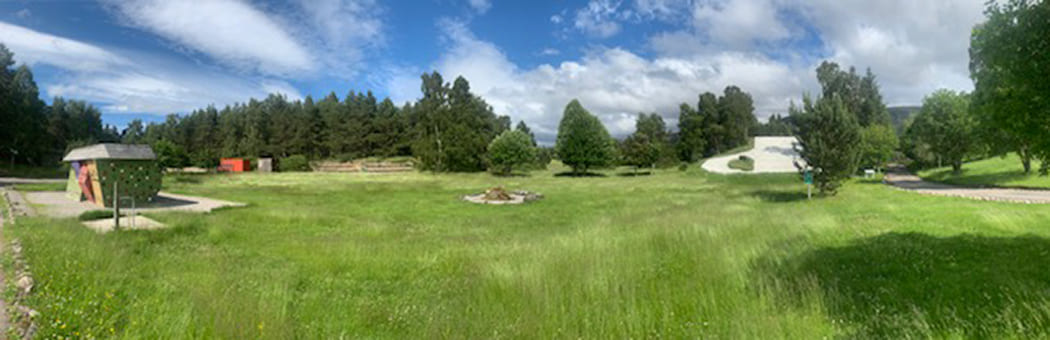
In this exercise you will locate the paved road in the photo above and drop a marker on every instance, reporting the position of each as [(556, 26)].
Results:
[(771, 155), (904, 180)]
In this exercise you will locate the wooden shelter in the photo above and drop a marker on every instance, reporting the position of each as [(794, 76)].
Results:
[(99, 170)]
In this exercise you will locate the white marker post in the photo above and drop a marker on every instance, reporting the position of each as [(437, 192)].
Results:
[(808, 178)]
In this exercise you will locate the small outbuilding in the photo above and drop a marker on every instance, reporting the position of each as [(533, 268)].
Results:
[(234, 165), (98, 170)]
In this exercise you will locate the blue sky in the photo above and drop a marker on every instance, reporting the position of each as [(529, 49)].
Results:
[(148, 58)]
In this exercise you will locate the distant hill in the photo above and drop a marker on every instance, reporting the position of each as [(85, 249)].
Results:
[(900, 114)]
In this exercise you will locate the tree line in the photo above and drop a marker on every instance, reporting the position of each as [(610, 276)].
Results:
[(34, 133)]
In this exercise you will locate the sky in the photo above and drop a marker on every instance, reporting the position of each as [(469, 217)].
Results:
[(144, 59)]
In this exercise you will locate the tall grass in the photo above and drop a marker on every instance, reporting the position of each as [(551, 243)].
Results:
[(675, 255)]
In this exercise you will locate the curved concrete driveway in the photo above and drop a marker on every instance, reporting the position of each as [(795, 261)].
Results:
[(904, 180), (771, 155)]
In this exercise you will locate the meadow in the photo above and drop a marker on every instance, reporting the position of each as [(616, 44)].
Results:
[(678, 254), (1004, 171)]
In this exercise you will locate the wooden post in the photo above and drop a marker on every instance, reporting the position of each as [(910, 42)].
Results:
[(116, 207)]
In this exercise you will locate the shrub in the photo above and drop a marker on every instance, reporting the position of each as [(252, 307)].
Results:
[(511, 149), (683, 167), (638, 151), (295, 163), (743, 162)]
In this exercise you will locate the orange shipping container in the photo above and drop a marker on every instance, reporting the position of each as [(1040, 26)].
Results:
[(234, 165)]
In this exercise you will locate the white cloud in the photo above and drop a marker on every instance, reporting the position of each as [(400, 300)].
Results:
[(598, 18), (481, 6), (231, 31), (33, 47), (739, 22), (550, 52), (136, 83), (615, 84), (339, 31), (766, 47), (24, 13)]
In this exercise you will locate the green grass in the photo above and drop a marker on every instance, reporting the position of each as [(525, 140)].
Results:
[(41, 187), (992, 172), (742, 163), (671, 255), (26, 171)]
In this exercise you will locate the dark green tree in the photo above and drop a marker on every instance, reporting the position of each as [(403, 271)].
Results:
[(828, 137), (1010, 69), (525, 129), (691, 139), (583, 143), (878, 143), (511, 150), (946, 126)]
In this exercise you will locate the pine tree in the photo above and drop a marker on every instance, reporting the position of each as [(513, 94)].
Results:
[(828, 138)]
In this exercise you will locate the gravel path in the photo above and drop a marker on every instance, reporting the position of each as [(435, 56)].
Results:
[(771, 155), (904, 180), (13, 180), (56, 204), (5, 322)]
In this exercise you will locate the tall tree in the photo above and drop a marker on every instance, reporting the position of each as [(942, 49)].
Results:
[(859, 94), (1011, 73), (946, 125), (828, 137), (583, 142), (691, 139)]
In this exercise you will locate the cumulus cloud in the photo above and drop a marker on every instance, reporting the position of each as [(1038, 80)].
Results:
[(136, 83), (613, 83), (769, 48)]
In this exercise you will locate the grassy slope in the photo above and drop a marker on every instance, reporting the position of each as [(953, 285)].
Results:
[(676, 254), (997, 171)]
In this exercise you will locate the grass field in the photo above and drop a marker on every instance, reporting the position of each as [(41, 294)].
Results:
[(993, 172), (672, 255)]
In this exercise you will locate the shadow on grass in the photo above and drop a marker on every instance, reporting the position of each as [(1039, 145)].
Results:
[(634, 174), (191, 179), (780, 196), (579, 174), (513, 174), (914, 285)]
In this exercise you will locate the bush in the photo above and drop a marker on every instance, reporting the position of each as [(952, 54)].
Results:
[(744, 163), (511, 149), (92, 215), (294, 163), (683, 167)]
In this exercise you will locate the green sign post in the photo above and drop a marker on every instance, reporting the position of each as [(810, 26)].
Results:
[(808, 178)]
